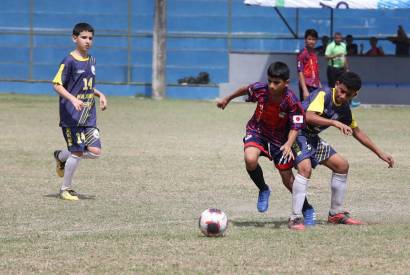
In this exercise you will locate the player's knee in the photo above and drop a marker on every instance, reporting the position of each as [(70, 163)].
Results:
[(343, 167), (93, 153), (251, 163), (305, 171)]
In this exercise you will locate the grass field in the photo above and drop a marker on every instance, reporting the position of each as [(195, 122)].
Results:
[(166, 161)]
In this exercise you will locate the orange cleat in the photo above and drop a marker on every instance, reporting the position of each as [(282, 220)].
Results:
[(342, 218)]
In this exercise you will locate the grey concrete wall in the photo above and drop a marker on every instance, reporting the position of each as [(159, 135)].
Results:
[(386, 80)]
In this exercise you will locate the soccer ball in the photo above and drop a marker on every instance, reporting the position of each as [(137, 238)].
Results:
[(213, 222)]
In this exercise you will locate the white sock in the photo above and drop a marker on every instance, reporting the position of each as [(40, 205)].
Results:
[(299, 188), (338, 187), (89, 155), (69, 170), (64, 155)]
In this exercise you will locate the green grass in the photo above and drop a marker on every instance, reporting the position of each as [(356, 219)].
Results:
[(163, 163)]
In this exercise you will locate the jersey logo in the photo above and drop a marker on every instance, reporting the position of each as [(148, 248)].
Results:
[(96, 134), (335, 116), (248, 137), (297, 119), (93, 69)]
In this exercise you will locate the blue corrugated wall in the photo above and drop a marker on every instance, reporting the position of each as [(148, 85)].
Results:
[(35, 36)]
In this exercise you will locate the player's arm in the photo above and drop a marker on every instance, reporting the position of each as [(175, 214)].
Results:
[(329, 55), (303, 85), (60, 79), (221, 103), (103, 99), (314, 119), (364, 139), (347, 68), (78, 104), (287, 147), (302, 80)]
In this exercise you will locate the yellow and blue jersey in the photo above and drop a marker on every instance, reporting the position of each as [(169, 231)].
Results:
[(322, 101), (77, 76)]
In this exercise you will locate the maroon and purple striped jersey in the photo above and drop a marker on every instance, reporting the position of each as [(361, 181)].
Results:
[(308, 65), (274, 120)]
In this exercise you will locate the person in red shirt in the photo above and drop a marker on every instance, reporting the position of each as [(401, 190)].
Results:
[(308, 67), (374, 50)]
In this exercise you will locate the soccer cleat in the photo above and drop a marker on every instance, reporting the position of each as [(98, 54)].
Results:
[(263, 200), (309, 216), (59, 164), (342, 218), (296, 223), (69, 195)]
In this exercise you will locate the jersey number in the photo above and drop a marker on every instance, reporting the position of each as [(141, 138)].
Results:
[(88, 84)]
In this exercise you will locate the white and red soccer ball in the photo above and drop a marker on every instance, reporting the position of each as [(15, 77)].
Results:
[(213, 222)]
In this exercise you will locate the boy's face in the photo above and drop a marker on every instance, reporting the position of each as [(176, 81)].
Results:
[(310, 42), (84, 40), (277, 85), (343, 94)]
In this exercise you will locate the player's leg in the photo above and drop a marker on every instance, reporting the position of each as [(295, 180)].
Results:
[(75, 139), (330, 77), (304, 150), (340, 169), (92, 143), (308, 211), (61, 157), (251, 156)]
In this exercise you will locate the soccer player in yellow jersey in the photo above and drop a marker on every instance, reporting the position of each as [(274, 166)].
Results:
[(325, 108)]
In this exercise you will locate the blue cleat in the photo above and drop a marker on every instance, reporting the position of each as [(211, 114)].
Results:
[(263, 200), (309, 216)]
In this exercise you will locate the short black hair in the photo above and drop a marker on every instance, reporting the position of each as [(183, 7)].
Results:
[(279, 69), (81, 27), (311, 32), (351, 80)]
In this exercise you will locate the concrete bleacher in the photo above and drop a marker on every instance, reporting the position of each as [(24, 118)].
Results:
[(384, 79), (201, 34)]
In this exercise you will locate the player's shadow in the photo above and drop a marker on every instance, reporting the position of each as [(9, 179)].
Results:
[(80, 196), (274, 224)]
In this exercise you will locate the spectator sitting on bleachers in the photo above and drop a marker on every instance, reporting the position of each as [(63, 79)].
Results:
[(374, 50), (320, 50), (350, 46)]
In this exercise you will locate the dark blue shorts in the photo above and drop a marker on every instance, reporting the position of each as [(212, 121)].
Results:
[(79, 138), (268, 149), (313, 148)]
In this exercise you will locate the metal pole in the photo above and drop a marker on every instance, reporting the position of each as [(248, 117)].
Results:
[(31, 40), (129, 42), (331, 23), (159, 49)]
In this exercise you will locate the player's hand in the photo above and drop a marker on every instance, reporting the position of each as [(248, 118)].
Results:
[(305, 94), (346, 130), (387, 158), (103, 102), (221, 103), (78, 104), (287, 153)]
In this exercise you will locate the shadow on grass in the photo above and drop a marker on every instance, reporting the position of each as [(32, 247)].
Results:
[(275, 224), (80, 196)]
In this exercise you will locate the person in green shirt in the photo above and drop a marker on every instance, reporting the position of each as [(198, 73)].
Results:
[(337, 63), (336, 56)]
